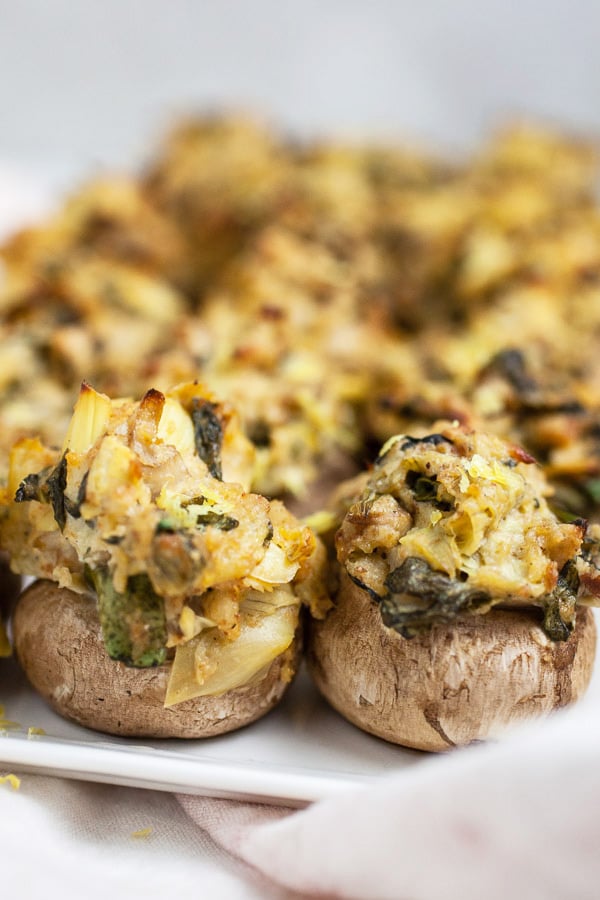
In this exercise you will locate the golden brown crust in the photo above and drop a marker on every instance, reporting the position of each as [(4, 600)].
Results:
[(59, 645), (452, 685)]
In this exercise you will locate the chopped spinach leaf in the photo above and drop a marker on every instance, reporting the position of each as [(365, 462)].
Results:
[(208, 435), (47, 486), (74, 509), (434, 439), (365, 587), (424, 487), (419, 597), (133, 623), (559, 609), (55, 485)]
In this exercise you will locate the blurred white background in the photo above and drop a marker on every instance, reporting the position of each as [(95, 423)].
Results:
[(91, 83)]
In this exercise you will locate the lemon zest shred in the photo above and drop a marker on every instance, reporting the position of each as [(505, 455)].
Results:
[(7, 725), (142, 833), (12, 780), (33, 731)]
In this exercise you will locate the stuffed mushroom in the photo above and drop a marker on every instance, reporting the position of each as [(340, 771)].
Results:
[(461, 600), (168, 596)]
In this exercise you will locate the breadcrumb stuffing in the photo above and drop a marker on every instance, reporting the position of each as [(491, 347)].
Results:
[(457, 521)]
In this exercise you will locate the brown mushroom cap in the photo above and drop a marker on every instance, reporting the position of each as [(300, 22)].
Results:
[(59, 645), (452, 685)]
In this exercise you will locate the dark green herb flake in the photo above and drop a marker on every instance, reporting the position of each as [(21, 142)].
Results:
[(167, 526), (217, 520), (198, 500), (269, 534), (33, 487)]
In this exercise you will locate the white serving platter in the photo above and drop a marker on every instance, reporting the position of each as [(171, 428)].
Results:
[(300, 752)]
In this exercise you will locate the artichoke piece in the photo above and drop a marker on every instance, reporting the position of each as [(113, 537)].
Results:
[(210, 665), (90, 417), (133, 623)]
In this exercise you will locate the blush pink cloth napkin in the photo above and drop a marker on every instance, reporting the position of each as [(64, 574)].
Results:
[(519, 818)]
